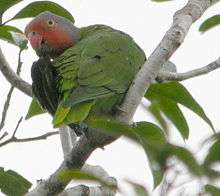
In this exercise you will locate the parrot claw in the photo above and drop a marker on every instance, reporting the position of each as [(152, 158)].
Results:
[(79, 129)]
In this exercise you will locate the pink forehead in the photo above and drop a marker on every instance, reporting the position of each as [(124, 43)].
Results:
[(36, 25)]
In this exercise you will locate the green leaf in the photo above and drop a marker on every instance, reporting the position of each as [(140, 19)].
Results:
[(156, 167), (158, 173), (35, 8), (60, 115), (22, 180), (186, 157), (13, 184), (209, 23), (172, 111), (161, 0), (212, 190), (7, 33), (213, 154), (154, 142), (150, 134), (6, 4), (156, 113), (34, 109), (178, 94), (138, 189), (111, 126), (212, 157), (68, 175)]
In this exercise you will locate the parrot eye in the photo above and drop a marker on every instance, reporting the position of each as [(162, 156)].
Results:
[(50, 23)]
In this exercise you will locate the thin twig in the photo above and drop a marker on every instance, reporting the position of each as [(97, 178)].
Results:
[(17, 126), (6, 107), (164, 75), (19, 140), (18, 71), (8, 99), (3, 135), (15, 139)]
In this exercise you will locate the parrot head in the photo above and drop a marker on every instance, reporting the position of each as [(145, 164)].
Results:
[(50, 34)]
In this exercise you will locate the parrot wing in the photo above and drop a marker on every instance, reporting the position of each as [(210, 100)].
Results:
[(107, 65), (98, 67), (43, 85)]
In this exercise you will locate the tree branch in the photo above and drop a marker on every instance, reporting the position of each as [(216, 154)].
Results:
[(3, 135), (7, 102), (100, 173), (18, 140), (12, 77), (67, 138), (164, 75), (88, 191), (182, 21)]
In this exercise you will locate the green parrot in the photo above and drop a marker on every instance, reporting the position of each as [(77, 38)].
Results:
[(81, 71)]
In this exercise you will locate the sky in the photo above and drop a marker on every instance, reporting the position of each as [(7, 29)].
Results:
[(147, 23)]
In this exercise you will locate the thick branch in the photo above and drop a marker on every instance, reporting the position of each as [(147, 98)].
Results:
[(88, 191), (66, 140), (82, 189), (163, 75), (12, 77), (182, 21), (100, 173)]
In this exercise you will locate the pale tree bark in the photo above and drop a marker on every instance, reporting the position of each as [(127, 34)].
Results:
[(82, 149), (67, 139), (174, 37), (163, 75)]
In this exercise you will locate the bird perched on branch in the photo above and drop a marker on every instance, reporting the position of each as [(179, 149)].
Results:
[(81, 71)]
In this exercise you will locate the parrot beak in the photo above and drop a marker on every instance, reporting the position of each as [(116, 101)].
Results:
[(35, 39)]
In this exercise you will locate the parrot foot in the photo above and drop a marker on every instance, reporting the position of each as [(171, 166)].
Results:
[(79, 129)]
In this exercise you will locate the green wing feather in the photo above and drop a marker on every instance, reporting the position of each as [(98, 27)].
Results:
[(98, 69)]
